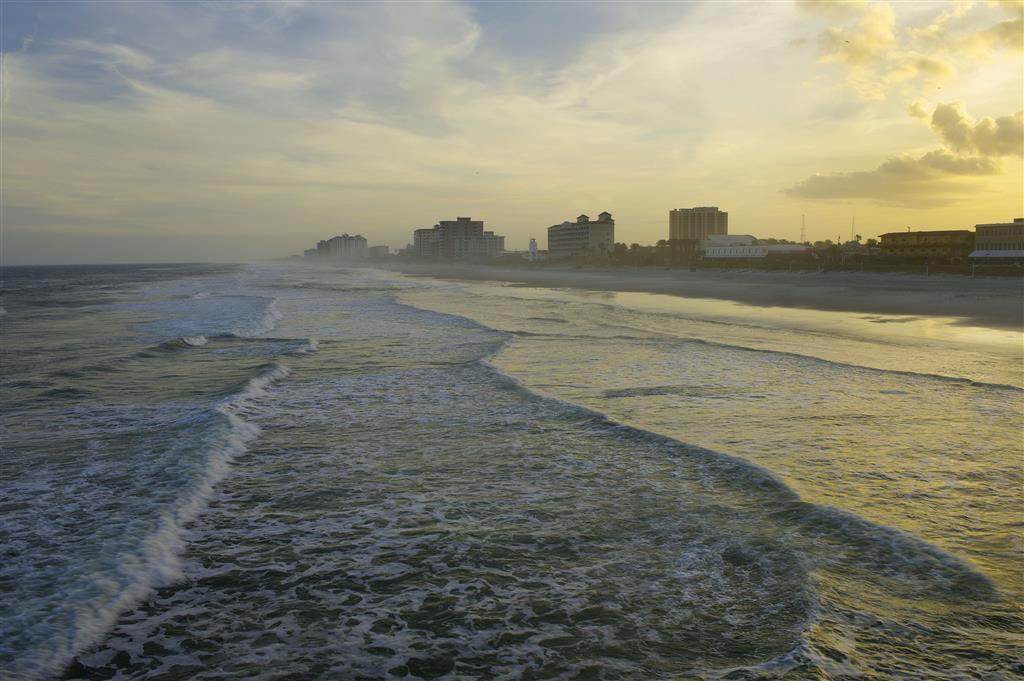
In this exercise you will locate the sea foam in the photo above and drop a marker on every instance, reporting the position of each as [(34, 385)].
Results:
[(155, 561)]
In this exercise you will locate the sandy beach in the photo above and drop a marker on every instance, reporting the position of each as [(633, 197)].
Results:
[(985, 301)]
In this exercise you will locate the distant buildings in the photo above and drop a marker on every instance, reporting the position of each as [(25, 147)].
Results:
[(719, 246), (342, 247), (697, 223), (379, 251), (583, 237), (460, 239), (999, 240), (948, 243), (745, 247)]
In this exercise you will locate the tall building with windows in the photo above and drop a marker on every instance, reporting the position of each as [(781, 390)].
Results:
[(583, 237), (460, 239), (342, 247), (697, 223)]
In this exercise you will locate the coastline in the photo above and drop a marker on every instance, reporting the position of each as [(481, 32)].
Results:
[(983, 301)]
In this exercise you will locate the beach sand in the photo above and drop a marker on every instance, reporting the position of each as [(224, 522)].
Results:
[(983, 301)]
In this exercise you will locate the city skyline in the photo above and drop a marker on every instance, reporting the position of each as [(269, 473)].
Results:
[(271, 125)]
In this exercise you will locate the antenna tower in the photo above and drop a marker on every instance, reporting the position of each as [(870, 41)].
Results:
[(853, 227), (803, 229)]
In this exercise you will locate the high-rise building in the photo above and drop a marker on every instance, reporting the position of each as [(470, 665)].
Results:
[(697, 223), (583, 237), (424, 243), (342, 247), (460, 239)]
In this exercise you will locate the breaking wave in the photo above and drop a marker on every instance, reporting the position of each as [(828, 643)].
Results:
[(154, 561)]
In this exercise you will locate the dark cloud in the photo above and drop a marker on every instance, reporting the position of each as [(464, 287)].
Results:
[(1003, 136), (906, 181)]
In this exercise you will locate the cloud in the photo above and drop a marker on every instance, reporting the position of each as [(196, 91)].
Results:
[(874, 57), (1006, 35), (870, 42), (278, 123), (880, 55), (1003, 136), (904, 180), (919, 108), (832, 7), (972, 150), (942, 160), (940, 26)]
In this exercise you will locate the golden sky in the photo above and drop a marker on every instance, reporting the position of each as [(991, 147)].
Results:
[(190, 131)]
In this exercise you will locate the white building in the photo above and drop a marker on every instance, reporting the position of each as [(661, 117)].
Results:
[(999, 241), (722, 246)]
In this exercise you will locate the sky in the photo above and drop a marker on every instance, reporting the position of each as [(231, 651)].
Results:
[(193, 131)]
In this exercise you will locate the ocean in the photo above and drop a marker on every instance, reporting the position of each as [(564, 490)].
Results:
[(280, 471)]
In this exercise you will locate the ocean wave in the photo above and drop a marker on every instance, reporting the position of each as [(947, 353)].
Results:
[(194, 341), (911, 564), (155, 561), (312, 345), (960, 380), (675, 337), (264, 324), (916, 564)]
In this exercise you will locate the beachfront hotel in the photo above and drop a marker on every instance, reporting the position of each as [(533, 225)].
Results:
[(999, 240), (945, 243), (583, 237), (697, 223)]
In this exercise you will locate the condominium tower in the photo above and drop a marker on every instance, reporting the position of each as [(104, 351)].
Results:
[(697, 223), (460, 239), (344, 247)]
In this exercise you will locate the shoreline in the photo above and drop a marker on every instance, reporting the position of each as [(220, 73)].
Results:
[(984, 301)]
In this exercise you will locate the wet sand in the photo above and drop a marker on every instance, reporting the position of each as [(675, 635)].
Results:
[(985, 301)]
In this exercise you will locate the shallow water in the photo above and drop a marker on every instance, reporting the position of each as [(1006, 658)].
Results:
[(273, 471)]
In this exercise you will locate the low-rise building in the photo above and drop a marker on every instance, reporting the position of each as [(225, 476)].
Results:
[(379, 251), (583, 237), (999, 241), (788, 251), (947, 243), (723, 246)]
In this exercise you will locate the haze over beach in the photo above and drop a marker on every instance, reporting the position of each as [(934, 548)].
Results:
[(548, 340), (137, 132)]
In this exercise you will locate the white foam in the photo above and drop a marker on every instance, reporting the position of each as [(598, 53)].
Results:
[(156, 561), (312, 345), (195, 341)]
